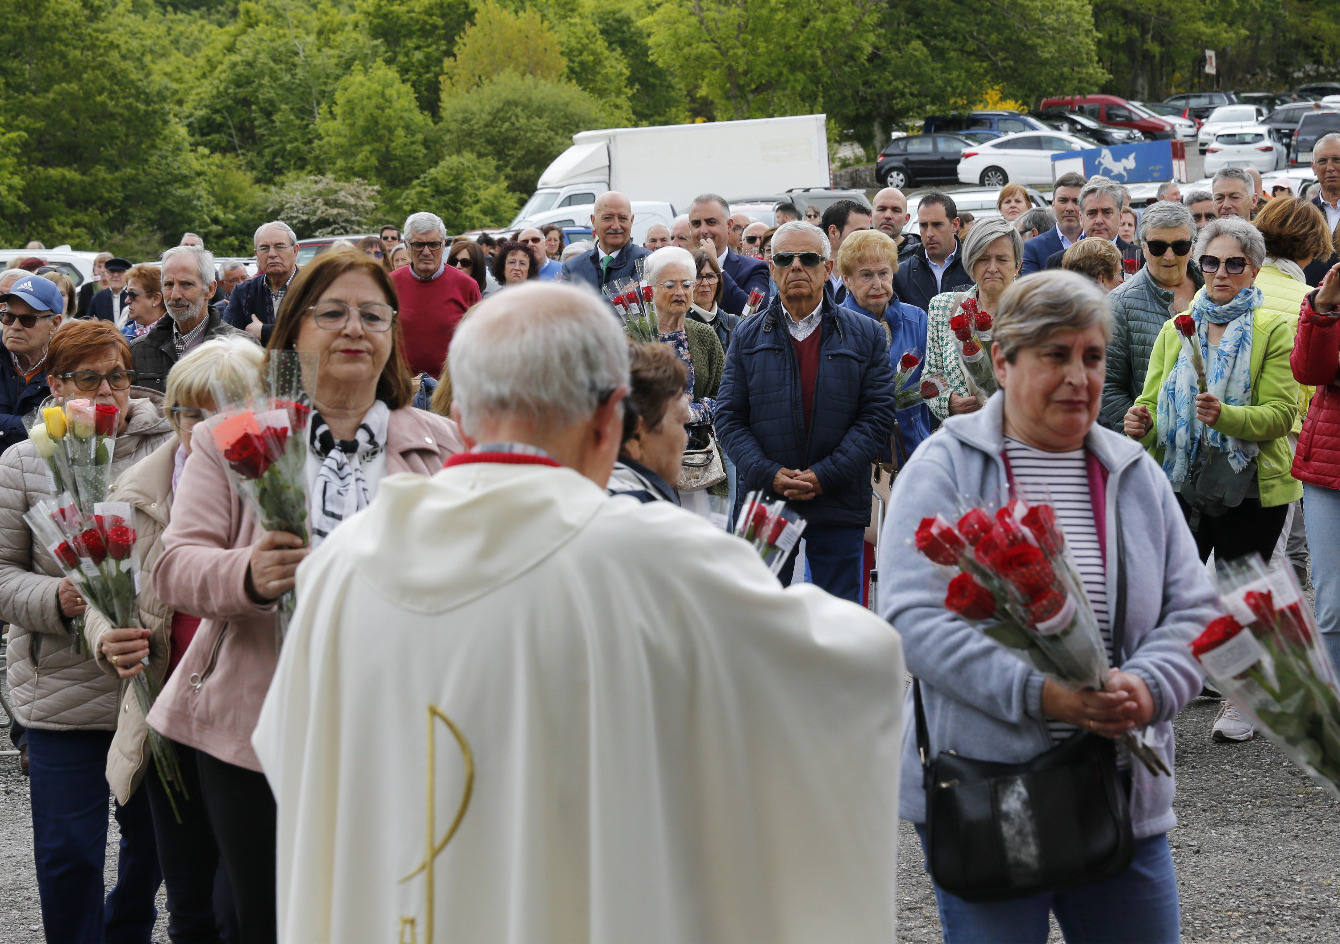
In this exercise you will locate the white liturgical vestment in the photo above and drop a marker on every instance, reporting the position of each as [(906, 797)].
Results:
[(512, 710)]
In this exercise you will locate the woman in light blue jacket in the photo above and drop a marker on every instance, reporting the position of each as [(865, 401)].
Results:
[(1037, 437)]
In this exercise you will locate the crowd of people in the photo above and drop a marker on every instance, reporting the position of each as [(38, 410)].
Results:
[(657, 737)]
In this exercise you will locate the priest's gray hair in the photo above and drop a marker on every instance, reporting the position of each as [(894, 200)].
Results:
[(543, 352), (1248, 236), (665, 257), (1037, 306), (424, 222), (202, 259), (801, 226)]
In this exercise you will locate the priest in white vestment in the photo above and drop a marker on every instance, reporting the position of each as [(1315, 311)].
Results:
[(513, 710)]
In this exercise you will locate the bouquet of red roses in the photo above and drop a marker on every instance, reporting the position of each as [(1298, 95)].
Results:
[(972, 327), (636, 310), (770, 527), (1186, 330), (1015, 580), (1267, 658), (906, 395)]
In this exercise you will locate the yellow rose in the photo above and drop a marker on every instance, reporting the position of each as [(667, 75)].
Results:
[(54, 417)]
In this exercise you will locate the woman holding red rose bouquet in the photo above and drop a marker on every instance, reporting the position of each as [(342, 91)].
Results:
[(61, 696), (1037, 440), (218, 563)]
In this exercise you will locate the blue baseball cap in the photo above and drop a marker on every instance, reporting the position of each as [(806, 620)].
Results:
[(39, 293)]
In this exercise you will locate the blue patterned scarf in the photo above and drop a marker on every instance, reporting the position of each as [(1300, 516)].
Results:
[(1228, 375)]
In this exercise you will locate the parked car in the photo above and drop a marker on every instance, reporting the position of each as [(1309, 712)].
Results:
[(1024, 158), (1006, 122), (978, 135), (78, 265), (1198, 105), (1284, 120), (1245, 145), (1315, 90), (1222, 117), (1072, 122), (1183, 128), (920, 158), (1267, 100), (803, 197), (1311, 127), (313, 246), (1111, 110), (979, 201)]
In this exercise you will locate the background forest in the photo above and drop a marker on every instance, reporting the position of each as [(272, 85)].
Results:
[(125, 122)]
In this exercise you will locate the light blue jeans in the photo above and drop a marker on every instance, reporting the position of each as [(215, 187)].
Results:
[(1140, 904), (1321, 512)]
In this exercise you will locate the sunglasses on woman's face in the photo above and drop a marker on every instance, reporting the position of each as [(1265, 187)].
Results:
[(1179, 247), (1234, 265), (461, 262)]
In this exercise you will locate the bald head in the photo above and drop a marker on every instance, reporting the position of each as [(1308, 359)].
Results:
[(679, 231), (612, 221), (751, 240), (658, 235), (890, 212), (533, 240)]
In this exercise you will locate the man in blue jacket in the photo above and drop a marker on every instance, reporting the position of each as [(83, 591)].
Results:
[(1069, 224), (709, 231), (807, 404), (31, 314), (253, 305), (934, 266), (615, 256)]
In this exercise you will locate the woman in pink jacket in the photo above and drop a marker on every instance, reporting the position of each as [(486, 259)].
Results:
[(217, 563)]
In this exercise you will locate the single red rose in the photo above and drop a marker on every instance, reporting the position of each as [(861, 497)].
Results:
[(1262, 605), (982, 321), (969, 306), (970, 347), (646, 293), (1045, 605), (1293, 627), (987, 551), (104, 419), (937, 539), (758, 520), (246, 456), (1025, 566), (1041, 521), (91, 541), (908, 361), (755, 297), (775, 535), (1012, 510), (1185, 324), (974, 525), (273, 439), (969, 599), (929, 390), (120, 542), (1010, 533), (66, 555), (1132, 266), (961, 326), (1215, 635)]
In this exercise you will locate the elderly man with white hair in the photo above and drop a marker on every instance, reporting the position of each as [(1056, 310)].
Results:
[(433, 296), (807, 405), (252, 306), (557, 736)]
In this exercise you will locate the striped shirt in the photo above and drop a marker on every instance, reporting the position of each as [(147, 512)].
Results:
[(1061, 479)]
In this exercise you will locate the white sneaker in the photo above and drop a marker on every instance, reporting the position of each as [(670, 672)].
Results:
[(1229, 725)]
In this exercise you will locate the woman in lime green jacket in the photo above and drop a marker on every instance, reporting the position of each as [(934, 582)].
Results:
[(1224, 443)]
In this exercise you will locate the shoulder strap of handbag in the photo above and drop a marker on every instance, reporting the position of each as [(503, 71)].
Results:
[(923, 735)]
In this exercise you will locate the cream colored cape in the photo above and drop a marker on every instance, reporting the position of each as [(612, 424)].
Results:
[(512, 710)]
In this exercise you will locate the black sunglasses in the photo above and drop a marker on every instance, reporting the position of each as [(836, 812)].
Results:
[(1179, 246), (1234, 265), (26, 320), (751, 239), (809, 260)]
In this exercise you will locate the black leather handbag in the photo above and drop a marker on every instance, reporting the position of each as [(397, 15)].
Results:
[(997, 831)]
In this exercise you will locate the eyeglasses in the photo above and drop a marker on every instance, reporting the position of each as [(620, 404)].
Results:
[(809, 260), (708, 277), (187, 415), (533, 241), (462, 262), (27, 321), (264, 249), (426, 247), (671, 284), (393, 238), (1234, 265), (1158, 247), (332, 316), (90, 380), (751, 240)]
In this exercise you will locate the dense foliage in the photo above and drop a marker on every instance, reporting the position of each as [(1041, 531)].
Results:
[(125, 122)]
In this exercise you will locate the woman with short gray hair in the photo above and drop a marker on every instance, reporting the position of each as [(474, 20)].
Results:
[(992, 254), (1036, 440)]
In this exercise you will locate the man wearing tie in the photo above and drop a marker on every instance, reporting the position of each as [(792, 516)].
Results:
[(614, 256), (110, 304), (709, 227)]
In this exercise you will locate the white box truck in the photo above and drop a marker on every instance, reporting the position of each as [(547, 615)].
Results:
[(675, 163)]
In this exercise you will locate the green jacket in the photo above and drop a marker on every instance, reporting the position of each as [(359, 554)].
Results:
[(709, 360), (1269, 418)]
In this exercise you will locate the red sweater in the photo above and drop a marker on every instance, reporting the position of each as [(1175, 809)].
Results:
[(1316, 361), (429, 313), (807, 358)]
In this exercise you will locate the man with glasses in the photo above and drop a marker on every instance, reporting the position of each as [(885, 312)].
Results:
[(30, 313), (1100, 203), (110, 303), (534, 240), (253, 304), (658, 235), (1326, 165), (614, 257), (433, 296), (1201, 205), (805, 434), (188, 284), (751, 240), (709, 229)]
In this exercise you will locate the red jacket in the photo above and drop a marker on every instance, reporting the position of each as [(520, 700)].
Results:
[(429, 313), (1316, 361)]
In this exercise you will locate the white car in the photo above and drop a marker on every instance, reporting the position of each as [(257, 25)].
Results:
[(1223, 116), (1247, 145), (1024, 157), (77, 264)]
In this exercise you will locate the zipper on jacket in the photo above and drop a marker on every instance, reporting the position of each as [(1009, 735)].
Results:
[(197, 679)]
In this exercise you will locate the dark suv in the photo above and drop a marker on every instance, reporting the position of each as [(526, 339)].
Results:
[(1284, 120), (1001, 122), (1311, 127), (1198, 105), (920, 158)]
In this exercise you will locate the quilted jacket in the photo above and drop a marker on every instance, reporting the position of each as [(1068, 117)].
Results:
[(1284, 294), (1139, 309), (1316, 360), (760, 420), (52, 685)]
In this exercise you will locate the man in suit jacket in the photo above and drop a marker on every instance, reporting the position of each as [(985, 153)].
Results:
[(1100, 212), (1326, 165), (110, 304), (934, 266), (840, 220), (615, 256), (1065, 204), (84, 301), (709, 231)]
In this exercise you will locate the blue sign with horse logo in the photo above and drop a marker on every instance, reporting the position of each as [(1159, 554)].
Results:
[(1127, 163)]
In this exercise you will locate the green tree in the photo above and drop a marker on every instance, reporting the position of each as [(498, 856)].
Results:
[(374, 130), (489, 47), (654, 95), (465, 190), (520, 124), (323, 206), (418, 36)]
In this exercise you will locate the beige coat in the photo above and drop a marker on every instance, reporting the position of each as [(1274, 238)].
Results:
[(147, 485), (53, 686)]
